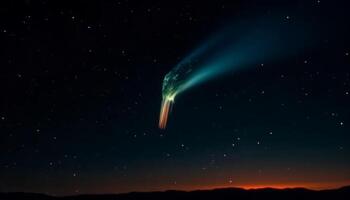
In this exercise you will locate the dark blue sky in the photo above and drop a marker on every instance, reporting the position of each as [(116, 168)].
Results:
[(81, 91)]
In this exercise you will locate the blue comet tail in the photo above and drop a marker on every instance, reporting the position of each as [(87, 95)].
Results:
[(246, 44)]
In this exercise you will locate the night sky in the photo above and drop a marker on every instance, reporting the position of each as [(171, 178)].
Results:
[(81, 88)]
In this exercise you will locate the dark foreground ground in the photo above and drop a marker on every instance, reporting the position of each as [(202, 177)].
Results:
[(233, 193)]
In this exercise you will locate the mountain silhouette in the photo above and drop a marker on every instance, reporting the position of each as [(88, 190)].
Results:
[(215, 194)]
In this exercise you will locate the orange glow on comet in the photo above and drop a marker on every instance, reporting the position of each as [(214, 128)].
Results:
[(164, 113)]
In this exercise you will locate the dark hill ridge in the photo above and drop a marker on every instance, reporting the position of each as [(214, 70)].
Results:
[(227, 193)]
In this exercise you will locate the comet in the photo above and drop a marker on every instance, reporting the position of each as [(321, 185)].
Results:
[(247, 44)]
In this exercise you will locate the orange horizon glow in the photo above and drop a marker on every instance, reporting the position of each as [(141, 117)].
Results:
[(122, 189), (310, 178), (309, 186), (306, 185)]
